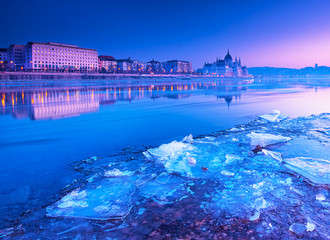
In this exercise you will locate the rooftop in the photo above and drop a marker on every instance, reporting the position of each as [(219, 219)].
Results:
[(178, 61), (60, 45), (125, 60), (103, 57)]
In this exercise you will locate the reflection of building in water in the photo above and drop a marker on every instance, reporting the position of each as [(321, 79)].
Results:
[(62, 105), (49, 104), (59, 103), (228, 93), (229, 97)]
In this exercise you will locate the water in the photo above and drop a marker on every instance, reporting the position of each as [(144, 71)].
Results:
[(49, 129)]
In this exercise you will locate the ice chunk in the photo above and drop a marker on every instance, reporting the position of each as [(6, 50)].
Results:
[(191, 161), (320, 197), (265, 139), (161, 193), (117, 173), (287, 182), (273, 117), (322, 130), (260, 203), (206, 140), (73, 199), (275, 155), (298, 228), (310, 227), (231, 158), (109, 199), (90, 160), (173, 149), (188, 139), (91, 179), (177, 165), (227, 173), (175, 157), (258, 185), (255, 216), (235, 129), (163, 178), (317, 171)]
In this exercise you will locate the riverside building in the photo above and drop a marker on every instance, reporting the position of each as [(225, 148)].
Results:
[(131, 66), (3, 54), (3, 58), (176, 66), (154, 66), (107, 64), (59, 57), (225, 67), (16, 56), (66, 58)]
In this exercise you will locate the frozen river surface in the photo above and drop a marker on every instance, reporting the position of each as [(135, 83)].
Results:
[(109, 159)]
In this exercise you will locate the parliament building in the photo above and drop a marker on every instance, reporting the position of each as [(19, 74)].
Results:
[(225, 67)]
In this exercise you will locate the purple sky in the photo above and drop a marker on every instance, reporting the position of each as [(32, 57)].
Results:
[(274, 33)]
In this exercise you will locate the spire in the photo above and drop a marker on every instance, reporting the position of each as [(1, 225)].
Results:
[(239, 61), (228, 99)]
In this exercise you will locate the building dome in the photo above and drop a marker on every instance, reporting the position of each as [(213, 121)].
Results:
[(228, 57)]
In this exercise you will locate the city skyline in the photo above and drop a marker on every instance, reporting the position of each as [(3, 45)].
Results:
[(272, 33)]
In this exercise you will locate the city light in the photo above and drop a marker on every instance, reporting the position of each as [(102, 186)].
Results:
[(3, 99)]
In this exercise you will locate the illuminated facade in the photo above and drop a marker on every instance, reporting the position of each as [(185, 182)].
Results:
[(154, 66), (225, 67), (139, 67), (176, 66), (58, 57), (131, 66), (16, 56), (107, 64), (124, 65), (55, 57)]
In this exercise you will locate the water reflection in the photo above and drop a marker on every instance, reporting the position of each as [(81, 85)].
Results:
[(61, 102)]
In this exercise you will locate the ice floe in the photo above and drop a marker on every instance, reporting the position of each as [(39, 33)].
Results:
[(320, 197), (191, 161), (109, 199), (266, 139), (188, 139), (273, 117), (298, 228), (169, 150), (218, 175), (317, 171), (231, 158), (173, 189), (310, 227), (275, 155), (117, 173)]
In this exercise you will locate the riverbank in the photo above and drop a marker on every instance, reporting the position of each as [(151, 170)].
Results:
[(45, 75)]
